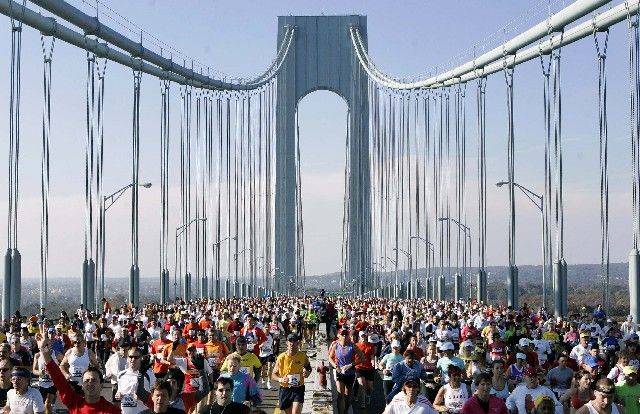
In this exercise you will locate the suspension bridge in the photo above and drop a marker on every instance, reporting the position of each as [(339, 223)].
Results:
[(406, 176)]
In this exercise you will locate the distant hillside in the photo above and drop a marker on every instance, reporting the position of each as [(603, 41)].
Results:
[(578, 274)]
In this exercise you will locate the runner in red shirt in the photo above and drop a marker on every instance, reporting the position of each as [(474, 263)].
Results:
[(254, 335), (92, 402), (364, 370), (157, 346)]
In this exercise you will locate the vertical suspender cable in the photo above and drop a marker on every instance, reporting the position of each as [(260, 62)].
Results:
[(416, 112), (604, 170), (101, 231), (220, 161), (198, 196), (634, 124), (227, 128), (634, 100), (267, 185), (548, 197), (207, 197), (236, 187), (482, 188), (561, 266), (437, 184), (135, 173), (512, 287), (89, 172), (447, 183), (426, 193), (344, 267), (46, 131), (164, 187)]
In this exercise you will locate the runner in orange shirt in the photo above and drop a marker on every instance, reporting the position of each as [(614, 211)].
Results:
[(364, 370), (157, 346), (215, 352)]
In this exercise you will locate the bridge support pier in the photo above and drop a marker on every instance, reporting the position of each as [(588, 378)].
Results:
[(457, 287), (186, 288), (216, 289), (204, 287), (164, 287), (634, 284), (134, 287), (512, 286), (441, 287), (86, 283), (12, 286), (481, 286), (428, 289), (560, 287)]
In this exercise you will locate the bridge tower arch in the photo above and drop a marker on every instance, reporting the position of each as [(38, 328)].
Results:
[(322, 58)]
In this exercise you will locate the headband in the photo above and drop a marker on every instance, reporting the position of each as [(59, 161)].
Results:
[(17, 374)]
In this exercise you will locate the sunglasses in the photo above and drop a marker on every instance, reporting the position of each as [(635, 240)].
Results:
[(134, 356)]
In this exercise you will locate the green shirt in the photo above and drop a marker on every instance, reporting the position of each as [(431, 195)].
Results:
[(628, 396)]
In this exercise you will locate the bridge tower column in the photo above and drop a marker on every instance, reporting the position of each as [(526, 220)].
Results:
[(321, 57)]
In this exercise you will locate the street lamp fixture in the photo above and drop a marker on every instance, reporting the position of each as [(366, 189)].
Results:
[(112, 198), (538, 198), (109, 201), (538, 201)]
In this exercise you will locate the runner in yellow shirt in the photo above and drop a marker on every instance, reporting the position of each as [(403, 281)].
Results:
[(249, 362), (292, 367)]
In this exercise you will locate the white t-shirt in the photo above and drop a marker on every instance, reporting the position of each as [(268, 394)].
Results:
[(267, 347), (127, 385), (399, 406), (28, 403)]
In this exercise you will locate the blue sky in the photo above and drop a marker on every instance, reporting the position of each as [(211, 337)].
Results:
[(239, 38)]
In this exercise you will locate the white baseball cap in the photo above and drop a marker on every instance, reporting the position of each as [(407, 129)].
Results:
[(395, 344)]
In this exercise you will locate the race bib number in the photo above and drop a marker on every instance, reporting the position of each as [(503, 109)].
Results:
[(213, 362), (181, 363), (200, 351), (293, 380), (246, 370), (128, 401), (77, 373), (195, 383), (267, 350)]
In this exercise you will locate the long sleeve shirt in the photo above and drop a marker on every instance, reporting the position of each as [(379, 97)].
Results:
[(75, 403)]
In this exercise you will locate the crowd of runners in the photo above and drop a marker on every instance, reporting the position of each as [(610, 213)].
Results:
[(219, 356)]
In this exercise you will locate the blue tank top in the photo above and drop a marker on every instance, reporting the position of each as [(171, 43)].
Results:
[(516, 374), (345, 356)]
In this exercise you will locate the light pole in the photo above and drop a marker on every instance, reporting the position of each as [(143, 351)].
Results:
[(216, 257), (235, 259), (134, 277), (395, 272), (427, 259), (538, 201), (377, 279), (186, 288), (467, 234), (408, 255)]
